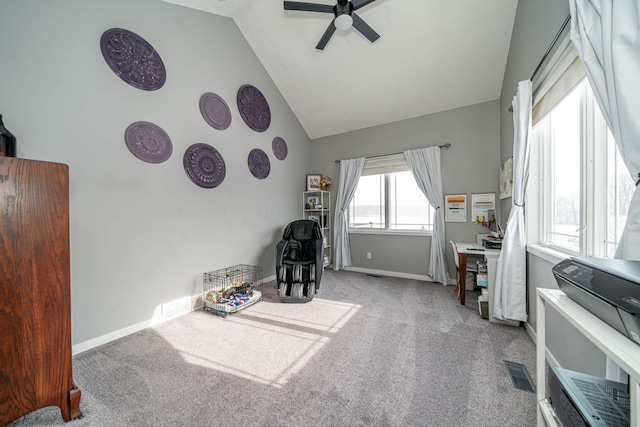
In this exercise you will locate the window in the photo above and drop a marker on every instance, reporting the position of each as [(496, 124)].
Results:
[(389, 202), (367, 209), (619, 190), (584, 188)]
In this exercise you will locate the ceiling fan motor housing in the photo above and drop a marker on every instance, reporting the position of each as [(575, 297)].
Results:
[(343, 7), (344, 17)]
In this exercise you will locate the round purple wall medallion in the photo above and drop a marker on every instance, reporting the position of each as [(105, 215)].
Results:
[(204, 165), (215, 111), (254, 108), (148, 142), (133, 59), (259, 164), (279, 148)]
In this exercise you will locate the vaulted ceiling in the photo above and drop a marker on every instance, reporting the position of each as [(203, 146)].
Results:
[(432, 56)]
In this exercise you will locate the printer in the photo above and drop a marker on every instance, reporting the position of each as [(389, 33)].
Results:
[(608, 288)]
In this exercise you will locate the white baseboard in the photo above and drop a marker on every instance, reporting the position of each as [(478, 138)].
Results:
[(111, 336), (390, 273), (162, 313)]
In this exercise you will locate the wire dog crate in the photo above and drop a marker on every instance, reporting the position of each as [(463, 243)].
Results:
[(231, 289)]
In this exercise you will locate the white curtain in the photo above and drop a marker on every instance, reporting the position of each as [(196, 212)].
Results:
[(350, 171), (425, 166), (510, 296), (606, 34)]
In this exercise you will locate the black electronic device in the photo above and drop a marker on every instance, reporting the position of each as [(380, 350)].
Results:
[(493, 223), (492, 243), (581, 400), (608, 288)]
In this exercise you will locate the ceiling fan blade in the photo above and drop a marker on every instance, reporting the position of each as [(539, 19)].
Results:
[(308, 7), (326, 36), (365, 29), (357, 4)]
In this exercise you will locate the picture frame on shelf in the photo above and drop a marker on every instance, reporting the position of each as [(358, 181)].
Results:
[(313, 182), (312, 201)]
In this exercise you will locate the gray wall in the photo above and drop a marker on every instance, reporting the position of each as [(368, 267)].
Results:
[(536, 24), (142, 234), (469, 166)]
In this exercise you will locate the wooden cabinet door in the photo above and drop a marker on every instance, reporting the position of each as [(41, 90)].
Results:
[(35, 307)]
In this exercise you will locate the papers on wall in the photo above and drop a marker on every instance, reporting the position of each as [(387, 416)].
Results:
[(481, 204), (456, 208)]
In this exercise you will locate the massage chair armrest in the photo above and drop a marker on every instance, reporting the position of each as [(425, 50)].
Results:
[(280, 250)]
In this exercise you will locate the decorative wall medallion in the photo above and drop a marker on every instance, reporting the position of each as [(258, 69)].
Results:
[(259, 164), (148, 142), (133, 59), (204, 165), (254, 108), (279, 148), (215, 111)]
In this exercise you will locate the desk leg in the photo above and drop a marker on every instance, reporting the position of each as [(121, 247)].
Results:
[(462, 262)]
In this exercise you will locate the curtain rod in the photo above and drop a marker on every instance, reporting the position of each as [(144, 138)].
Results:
[(553, 43), (447, 145), (549, 49)]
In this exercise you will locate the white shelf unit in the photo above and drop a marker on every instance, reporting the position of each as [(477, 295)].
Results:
[(316, 205), (621, 349)]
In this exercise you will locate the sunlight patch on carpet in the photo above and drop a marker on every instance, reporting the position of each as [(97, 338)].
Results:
[(319, 314), (283, 337)]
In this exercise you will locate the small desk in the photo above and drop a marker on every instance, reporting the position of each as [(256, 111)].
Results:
[(469, 248)]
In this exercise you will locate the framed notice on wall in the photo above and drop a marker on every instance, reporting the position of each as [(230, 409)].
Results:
[(456, 208)]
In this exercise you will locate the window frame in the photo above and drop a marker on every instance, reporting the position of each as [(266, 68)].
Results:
[(596, 148), (388, 206)]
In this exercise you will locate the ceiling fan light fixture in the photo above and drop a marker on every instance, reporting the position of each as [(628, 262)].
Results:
[(344, 17), (343, 22)]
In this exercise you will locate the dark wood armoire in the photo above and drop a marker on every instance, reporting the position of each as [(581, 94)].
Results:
[(35, 303)]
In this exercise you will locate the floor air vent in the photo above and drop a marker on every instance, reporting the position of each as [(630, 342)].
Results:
[(520, 377)]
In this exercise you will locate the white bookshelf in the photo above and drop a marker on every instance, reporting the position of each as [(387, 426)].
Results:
[(618, 347), (316, 205)]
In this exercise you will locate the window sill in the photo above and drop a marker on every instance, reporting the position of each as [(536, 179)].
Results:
[(392, 232), (551, 255)]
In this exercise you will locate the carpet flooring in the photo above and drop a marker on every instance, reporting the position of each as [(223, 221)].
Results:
[(367, 351)]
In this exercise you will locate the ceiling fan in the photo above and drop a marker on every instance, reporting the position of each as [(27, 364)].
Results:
[(344, 17)]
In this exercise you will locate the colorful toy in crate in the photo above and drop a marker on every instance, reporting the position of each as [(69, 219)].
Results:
[(235, 300), (229, 291)]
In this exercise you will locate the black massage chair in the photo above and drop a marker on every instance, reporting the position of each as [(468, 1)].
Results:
[(299, 261)]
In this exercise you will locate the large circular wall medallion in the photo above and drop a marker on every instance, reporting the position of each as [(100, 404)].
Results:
[(279, 148), (204, 165), (215, 111), (259, 164), (148, 142), (254, 108), (133, 59)]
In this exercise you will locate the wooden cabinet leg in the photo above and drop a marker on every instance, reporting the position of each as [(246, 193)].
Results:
[(71, 409)]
